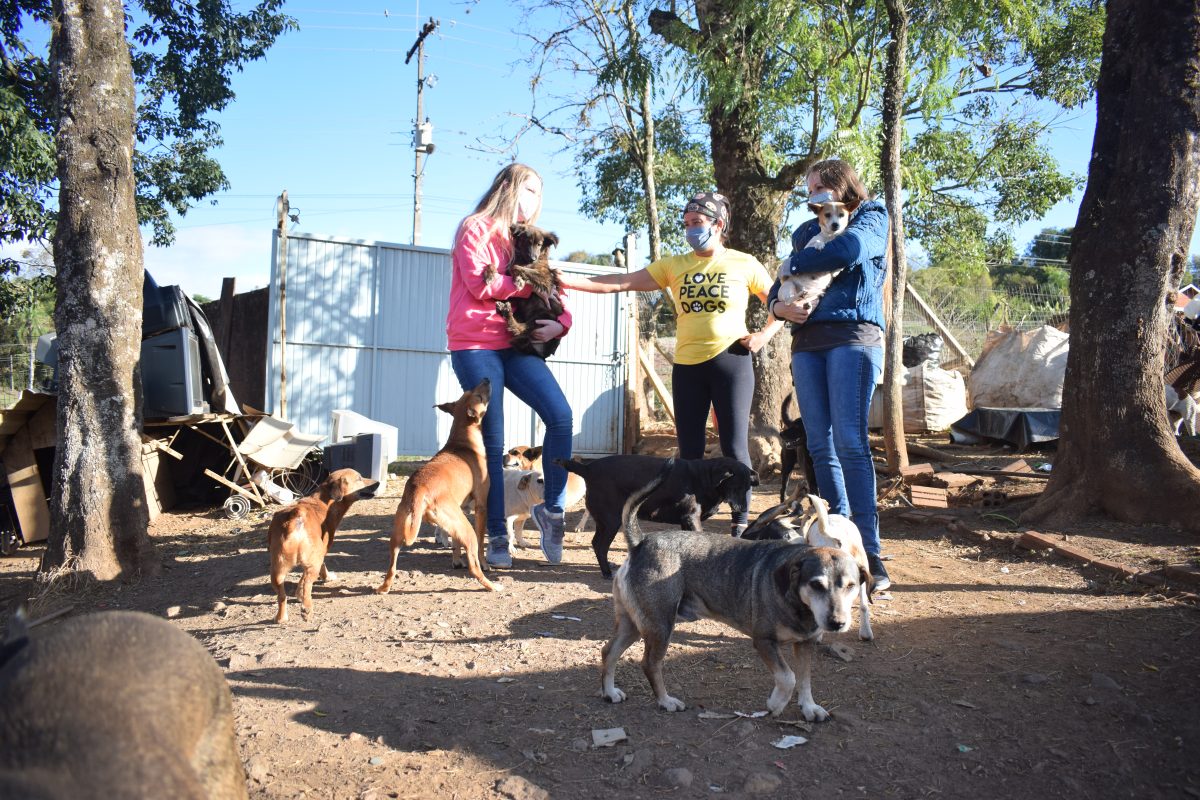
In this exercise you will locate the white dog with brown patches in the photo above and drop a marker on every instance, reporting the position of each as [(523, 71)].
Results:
[(823, 529), (805, 290)]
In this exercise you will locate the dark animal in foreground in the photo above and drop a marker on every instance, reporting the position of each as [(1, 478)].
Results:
[(690, 494), (117, 704)]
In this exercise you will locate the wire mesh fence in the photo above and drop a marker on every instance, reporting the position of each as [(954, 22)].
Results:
[(19, 371), (968, 313)]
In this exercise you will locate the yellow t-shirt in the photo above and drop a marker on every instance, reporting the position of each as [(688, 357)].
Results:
[(711, 295)]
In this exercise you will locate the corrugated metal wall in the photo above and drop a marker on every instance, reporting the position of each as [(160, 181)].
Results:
[(366, 331)]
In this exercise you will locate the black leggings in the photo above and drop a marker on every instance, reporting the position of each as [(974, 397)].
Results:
[(726, 383)]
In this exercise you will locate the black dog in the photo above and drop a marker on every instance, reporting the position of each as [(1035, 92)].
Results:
[(531, 265), (794, 441), (689, 494)]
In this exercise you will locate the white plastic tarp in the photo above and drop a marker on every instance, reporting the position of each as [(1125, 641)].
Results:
[(1020, 369)]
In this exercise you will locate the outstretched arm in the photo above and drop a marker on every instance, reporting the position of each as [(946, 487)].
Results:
[(640, 281)]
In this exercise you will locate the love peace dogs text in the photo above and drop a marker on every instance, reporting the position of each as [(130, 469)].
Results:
[(702, 292)]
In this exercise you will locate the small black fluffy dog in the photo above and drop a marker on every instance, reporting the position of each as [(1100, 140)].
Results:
[(794, 440), (531, 265)]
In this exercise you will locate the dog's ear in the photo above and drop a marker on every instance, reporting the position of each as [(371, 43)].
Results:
[(518, 229), (787, 575), (447, 407), (523, 484), (331, 490), (851, 206), (815, 208), (534, 453), (551, 239), (864, 576), (753, 478)]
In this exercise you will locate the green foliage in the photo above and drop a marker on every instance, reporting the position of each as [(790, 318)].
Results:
[(184, 56), (1051, 244), (614, 193), (27, 299), (584, 257)]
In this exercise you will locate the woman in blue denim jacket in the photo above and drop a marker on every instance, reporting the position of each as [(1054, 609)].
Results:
[(837, 348)]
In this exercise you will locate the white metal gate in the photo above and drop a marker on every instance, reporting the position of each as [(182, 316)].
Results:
[(366, 331)]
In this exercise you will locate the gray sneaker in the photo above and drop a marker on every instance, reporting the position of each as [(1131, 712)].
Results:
[(878, 573), (550, 524), (497, 552)]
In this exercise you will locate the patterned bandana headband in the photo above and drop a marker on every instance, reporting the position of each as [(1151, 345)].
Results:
[(710, 204)]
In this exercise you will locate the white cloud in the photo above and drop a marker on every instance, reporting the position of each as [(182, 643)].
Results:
[(202, 256)]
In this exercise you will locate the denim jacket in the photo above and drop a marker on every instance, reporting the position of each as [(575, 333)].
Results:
[(856, 295)]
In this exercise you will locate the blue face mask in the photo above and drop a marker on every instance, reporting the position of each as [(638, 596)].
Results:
[(698, 237)]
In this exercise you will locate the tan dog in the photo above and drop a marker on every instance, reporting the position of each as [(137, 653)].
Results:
[(437, 491), (530, 457), (117, 704), (300, 535), (823, 529)]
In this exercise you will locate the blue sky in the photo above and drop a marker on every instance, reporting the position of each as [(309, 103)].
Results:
[(328, 116)]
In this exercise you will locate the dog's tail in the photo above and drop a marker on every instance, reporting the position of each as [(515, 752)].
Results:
[(822, 514), (785, 412), (629, 523), (571, 465)]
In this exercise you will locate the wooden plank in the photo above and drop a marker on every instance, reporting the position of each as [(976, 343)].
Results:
[(25, 481), (1020, 465), (659, 389), (43, 426), (231, 485), (917, 469), (942, 330)]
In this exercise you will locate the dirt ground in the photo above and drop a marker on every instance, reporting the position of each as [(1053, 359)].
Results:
[(995, 673)]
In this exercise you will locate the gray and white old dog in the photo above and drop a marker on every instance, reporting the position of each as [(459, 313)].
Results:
[(774, 592)]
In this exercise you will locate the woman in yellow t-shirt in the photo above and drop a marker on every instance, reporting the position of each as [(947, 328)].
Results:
[(711, 287)]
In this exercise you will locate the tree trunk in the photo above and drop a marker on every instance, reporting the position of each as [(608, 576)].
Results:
[(1116, 452), (756, 208), (98, 510), (757, 197), (894, 82), (649, 184)]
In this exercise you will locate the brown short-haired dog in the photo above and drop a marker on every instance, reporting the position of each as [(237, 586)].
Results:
[(301, 534), (436, 492)]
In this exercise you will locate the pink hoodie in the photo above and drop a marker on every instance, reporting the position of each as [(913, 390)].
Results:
[(473, 323)]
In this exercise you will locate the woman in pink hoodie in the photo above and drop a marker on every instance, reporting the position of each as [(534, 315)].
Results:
[(479, 348)]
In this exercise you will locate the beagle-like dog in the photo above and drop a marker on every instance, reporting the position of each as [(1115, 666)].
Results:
[(776, 593)]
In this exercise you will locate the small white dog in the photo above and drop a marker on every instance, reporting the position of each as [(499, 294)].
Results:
[(523, 489), (823, 529), (805, 290)]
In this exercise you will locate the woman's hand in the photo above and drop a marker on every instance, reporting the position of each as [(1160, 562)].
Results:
[(791, 313), (755, 341), (547, 329), (564, 280)]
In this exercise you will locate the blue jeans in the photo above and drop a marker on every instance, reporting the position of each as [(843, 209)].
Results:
[(528, 378), (833, 388)]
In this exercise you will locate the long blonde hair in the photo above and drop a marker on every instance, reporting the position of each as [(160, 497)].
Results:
[(499, 202)]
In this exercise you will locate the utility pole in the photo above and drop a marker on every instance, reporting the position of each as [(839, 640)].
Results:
[(282, 205), (423, 130)]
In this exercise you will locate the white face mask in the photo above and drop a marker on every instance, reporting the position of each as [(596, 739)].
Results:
[(527, 202)]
